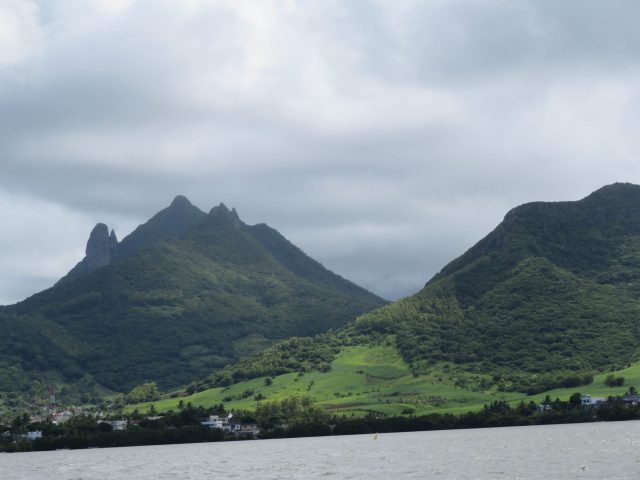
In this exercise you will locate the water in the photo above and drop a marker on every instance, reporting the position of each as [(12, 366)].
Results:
[(583, 451)]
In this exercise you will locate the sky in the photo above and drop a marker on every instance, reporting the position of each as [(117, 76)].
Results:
[(384, 138)]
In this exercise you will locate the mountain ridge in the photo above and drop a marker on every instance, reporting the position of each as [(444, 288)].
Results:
[(191, 293)]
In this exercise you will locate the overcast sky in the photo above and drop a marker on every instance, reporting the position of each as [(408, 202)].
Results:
[(384, 138)]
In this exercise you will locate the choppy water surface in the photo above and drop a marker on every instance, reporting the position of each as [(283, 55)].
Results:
[(585, 451)]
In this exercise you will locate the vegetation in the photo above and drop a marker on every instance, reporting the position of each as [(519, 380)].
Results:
[(612, 381), (147, 392)]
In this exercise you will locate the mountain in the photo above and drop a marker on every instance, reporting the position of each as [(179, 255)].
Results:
[(550, 298), (554, 288), (184, 294)]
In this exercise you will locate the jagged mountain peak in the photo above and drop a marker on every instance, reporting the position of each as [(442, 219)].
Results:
[(221, 207), (101, 229), (222, 211), (99, 251), (171, 222), (100, 245), (181, 201)]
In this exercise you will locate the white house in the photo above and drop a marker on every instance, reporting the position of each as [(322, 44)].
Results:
[(33, 435), (117, 424), (216, 421), (588, 400), (249, 429), (62, 417)]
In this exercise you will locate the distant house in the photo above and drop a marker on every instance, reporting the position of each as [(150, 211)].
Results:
[(216, 421), (631, 399), (543, 408), (249, 429), (225, 423), (235, 427), (62, 417), (117, 424), (589, 401), (33, 435)]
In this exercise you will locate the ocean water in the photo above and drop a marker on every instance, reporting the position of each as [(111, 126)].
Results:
[(582, 451)]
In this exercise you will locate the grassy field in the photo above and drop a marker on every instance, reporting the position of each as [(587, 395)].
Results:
[(362, 379), (376, 379)]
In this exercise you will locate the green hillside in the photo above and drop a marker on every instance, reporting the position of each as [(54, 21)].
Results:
[(550, 299), (375, 378), (182, 298)]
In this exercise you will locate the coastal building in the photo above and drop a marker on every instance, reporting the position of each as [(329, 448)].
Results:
[(250, 429), (588, 401), (62, 417), (216, 421), (33, 435), (237, 428), (120, 424), (632, 399)]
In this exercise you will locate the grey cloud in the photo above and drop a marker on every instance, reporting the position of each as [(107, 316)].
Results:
[(460, 42), (383, 138)]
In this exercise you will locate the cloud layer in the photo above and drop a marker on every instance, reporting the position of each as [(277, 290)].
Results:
[(384, 138)]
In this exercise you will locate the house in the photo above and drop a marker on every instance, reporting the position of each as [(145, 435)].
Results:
[(117, 424), (250, 429), (235, 427), (62, 417), (33, 435), (216, 421), (633, 399), (543, 408), (589, 401)]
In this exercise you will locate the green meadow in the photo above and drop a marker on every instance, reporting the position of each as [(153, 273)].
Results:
[(376, 379)]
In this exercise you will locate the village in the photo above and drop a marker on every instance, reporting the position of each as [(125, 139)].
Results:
[(225, 423), (632, 399)]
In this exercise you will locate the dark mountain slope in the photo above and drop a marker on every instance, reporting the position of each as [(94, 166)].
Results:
[(552, 288), (301, 264), (177, 308), (595, 237)]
